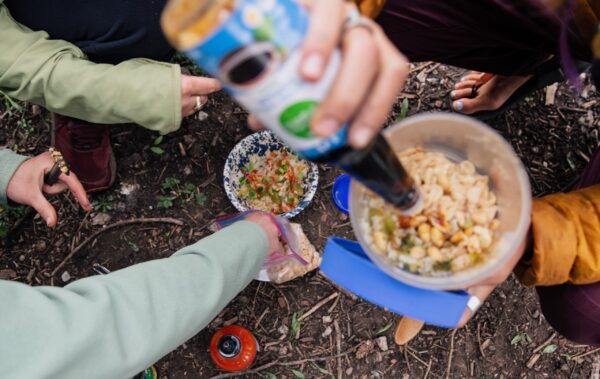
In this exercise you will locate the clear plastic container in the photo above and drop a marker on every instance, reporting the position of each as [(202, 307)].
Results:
[(459, 138)]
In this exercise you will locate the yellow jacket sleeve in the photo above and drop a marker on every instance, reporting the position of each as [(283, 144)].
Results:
[(566, 239)]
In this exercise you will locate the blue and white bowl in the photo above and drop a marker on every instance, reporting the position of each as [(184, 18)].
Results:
[(259, 144)]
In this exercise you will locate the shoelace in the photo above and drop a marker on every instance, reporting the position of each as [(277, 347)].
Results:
[(85, 137)]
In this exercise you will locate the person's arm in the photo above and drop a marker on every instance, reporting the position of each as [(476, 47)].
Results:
[(115, 325), (566, 239), (9, 163), (57, 75)]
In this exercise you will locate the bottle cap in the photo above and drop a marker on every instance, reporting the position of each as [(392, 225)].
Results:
[(233, 348), (340, 192)]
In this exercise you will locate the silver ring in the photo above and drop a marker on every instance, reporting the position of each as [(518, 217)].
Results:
[(473, 304), (354, 19), (199, 104)]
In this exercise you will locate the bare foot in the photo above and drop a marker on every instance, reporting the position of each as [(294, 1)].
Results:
[(490, 96)]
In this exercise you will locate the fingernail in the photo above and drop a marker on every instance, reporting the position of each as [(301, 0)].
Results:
[(452, 94), (458, 105), (361, 136), (48, 220), (327, 126), (312, 66), (463, 78)]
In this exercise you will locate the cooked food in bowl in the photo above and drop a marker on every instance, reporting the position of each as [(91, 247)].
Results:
[(455, 229), (273, 182)]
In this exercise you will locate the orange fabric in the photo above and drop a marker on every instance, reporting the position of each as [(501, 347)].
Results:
[(370, 8), (566, 237)]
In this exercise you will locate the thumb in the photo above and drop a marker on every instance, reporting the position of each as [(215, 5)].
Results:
[(45, 209), (204, 86)]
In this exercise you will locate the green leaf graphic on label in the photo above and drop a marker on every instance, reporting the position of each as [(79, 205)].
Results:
[(295, 119), (266, 31)]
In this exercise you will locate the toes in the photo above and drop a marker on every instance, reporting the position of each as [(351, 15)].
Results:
[(461, 93), (467, 106), (465, 84)]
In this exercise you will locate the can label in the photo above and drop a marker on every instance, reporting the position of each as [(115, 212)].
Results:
[(256, 53)]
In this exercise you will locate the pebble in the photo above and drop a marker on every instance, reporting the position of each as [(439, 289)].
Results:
[(327, 319), (202, 116), (283, 329), (101, 219), (65, 276), (327, 331), (382, 343), (21, 258), (349, 371)]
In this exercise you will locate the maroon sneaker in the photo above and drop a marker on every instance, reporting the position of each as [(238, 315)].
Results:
[(86, 147)]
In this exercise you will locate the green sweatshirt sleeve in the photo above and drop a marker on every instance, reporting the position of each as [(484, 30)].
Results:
[(115, 325), (57, 75), (9, 163)]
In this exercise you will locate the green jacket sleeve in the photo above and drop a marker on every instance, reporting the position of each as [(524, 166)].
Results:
[(57, 75), (115, 325), (9, 162)]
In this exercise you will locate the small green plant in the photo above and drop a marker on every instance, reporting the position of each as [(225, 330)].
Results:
[(550, 349), (165, 202), (384, 329), (103, 203), (7, 217), (298, 374), (186, 192), (155, 148), (321, 369), (26, 127), (521, 338), (134, 246), (11, 106), (269, 375), (295, 325), (403, 110)]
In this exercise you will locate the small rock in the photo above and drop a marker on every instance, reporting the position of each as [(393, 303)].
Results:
[(349, 371), (128, 188), (40, 245), (281, 302), (438, 103), (65, 277), (283, 329), (101, 219), (535, 314), (382, 343), (283, 350), (202, 116), (327, 332), (187, 170), (7, 274), (327, 319), (21, 258)]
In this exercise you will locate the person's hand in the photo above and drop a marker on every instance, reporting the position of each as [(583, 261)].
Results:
[(483, 289), (27, 187), (268, 226), (193, 87), (370, 77)]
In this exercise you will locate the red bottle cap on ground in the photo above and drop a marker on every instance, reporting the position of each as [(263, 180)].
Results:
[(233, 348)]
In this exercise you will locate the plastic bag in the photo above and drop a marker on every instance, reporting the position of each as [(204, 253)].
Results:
[(281, 266)]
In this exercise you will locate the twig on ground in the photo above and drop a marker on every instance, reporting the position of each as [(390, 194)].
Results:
[(450, 355), (428, 369), (544, 343), (117, 224), (279, 363), (579, 356), (319, 305), (338, 344), (479, 340)]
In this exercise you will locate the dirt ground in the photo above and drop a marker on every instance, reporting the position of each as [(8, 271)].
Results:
[(508, 337)]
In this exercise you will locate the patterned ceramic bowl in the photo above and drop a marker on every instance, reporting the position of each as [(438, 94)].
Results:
[(261, 143)]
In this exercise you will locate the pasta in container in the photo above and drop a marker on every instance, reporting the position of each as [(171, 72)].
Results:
[(456, 227)]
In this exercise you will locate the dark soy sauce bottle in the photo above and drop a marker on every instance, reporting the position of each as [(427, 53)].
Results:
[(379, 169)]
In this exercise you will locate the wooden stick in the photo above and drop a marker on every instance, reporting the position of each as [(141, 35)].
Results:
[(319, 305), (544, 343), (450, 355), (166, 220), (338, 343)]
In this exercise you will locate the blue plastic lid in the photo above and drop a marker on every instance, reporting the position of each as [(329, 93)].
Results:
[(340, 193)]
